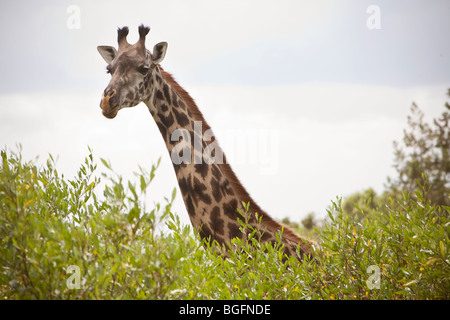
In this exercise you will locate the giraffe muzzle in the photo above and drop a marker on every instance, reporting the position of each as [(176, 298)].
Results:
[(107, 110)]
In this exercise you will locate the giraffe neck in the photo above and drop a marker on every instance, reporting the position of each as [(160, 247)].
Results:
[(211, 191)]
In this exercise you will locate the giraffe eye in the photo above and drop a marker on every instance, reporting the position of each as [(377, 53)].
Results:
[(108, 69), (143, 69)]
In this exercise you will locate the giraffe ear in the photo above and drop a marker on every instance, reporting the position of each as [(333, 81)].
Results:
[(159, 52), (108, 53)]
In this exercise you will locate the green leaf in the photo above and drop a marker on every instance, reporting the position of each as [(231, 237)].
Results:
[(174, 193), (133, 214), (133, 190), (143, 183), (106, 163), (90, 186), (442, 247)]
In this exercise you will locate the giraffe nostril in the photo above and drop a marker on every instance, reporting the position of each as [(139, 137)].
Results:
[(111, 93)]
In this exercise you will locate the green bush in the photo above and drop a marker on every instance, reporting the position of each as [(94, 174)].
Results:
[(62, 239), (55, 232), (405, 247)]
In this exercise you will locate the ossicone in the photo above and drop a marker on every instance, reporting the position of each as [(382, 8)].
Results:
[(143, 31), (122, 36)]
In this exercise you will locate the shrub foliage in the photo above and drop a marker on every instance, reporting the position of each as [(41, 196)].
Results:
[(63, 239)]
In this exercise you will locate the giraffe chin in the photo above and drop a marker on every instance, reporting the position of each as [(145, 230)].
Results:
[(111, 114)]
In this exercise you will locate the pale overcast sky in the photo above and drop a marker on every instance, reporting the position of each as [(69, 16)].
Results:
[(304, 97)]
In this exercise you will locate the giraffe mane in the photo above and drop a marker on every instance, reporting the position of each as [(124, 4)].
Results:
[(236, 184)]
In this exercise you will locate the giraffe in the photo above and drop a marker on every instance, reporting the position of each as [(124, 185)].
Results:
[(210, 189)]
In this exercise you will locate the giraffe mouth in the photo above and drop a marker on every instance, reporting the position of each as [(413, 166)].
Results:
[(108, 111)]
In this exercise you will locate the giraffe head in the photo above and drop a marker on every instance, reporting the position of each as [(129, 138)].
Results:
[(130, 67)]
